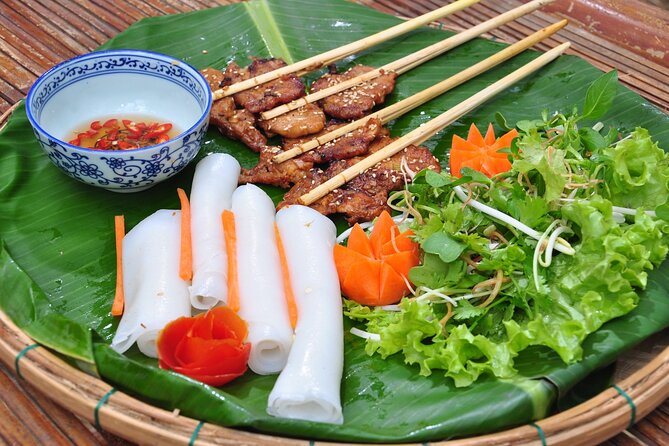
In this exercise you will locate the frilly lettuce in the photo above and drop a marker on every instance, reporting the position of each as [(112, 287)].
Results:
[(593, 286), (639, 172), (566, 177)]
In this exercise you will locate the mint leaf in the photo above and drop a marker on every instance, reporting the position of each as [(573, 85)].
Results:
[(600, 94), (527, 126)]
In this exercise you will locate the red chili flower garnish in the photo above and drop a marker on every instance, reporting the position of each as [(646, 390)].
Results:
[(209, 347)]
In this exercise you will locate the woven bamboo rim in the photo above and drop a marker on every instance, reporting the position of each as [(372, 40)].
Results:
[(588, 423)]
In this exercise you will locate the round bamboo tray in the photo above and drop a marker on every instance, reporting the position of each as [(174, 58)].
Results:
[(639, 391), (589, 423)]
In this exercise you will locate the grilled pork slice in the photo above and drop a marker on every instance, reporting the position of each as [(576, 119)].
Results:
[(294, 124), (214, 77), (268, 95), (357, 101), (351, 144), (295, 170), (366, 196), (239, 124), (282, 174)]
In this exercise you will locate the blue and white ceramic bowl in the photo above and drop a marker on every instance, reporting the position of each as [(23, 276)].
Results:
[(115, 84)]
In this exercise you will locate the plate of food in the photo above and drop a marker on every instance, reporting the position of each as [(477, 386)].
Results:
[(511, 232)]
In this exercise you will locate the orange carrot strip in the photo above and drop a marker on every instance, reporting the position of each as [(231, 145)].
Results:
[(231, 248), (119, 297), (186, 255), (287, 287)]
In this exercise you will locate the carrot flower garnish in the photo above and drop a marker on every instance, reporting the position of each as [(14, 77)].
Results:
[(481, 153), (373, 270)]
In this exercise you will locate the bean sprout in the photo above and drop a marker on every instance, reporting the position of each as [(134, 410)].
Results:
[(498, 281), (435, 293), (448, 315), (365, 334), (537, 253), (548, 252), (618, 209), (390, 308), (618, 217), (561, 245)]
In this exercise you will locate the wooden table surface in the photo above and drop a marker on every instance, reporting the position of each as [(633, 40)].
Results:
[(36, 34)]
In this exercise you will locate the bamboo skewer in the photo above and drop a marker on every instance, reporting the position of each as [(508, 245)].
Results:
[(411, 61), (399, 108), (425, 132), (323, 59)]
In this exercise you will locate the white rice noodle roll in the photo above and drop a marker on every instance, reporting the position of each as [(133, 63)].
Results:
[(262, 301), (154, 292), (308, 388), (215, 180)]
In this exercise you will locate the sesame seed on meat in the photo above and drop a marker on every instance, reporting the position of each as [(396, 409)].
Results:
[(365, 196), (268, 95), (356, 102)]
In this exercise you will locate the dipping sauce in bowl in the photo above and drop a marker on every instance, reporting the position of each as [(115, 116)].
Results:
[(123, 120), (122, 133)]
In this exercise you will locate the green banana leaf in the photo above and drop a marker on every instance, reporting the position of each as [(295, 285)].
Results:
[(57, 260)]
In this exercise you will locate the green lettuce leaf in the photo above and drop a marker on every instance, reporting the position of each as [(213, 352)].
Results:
[(639, 172), (548, 163), (598, 283)]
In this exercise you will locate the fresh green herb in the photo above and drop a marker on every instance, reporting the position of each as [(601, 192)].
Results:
[(600, 95), (541, 255)]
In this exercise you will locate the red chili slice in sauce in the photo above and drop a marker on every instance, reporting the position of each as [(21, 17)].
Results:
[(130, 135)]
